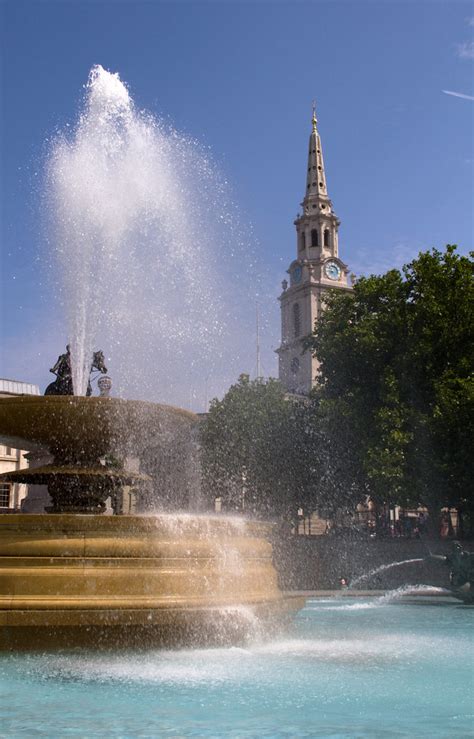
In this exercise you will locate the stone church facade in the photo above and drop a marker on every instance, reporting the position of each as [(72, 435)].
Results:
[(315, 269)]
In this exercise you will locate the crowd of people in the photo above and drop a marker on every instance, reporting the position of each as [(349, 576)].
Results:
[(391, 524)]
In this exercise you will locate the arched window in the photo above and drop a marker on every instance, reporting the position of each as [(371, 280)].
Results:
[(295, 365), (303, 240), (326, 237), (314, 237), (296, 319)]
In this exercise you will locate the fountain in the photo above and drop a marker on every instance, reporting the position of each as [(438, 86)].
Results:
[(74, 576)]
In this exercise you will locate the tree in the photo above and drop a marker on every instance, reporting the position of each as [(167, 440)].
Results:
[(244, 448), (269, 453), (396, 358)]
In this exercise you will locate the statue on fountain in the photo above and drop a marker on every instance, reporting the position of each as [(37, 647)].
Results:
[(63, 385), (461, 576)]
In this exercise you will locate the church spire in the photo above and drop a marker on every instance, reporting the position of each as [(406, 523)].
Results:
[(316, 191), (317, 226)]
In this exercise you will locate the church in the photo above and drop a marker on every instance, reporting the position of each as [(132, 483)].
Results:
[(316, 268)]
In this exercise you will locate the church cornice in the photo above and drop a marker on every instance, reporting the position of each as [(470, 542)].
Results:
[(316, 262), (291, 345)]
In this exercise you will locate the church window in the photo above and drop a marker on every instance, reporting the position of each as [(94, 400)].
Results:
[(296, 319), (326, 237), (314, 237), (314, 184), (295, 365), (321, 184), (303, 240)]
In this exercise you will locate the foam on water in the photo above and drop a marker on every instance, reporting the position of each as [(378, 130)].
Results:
[(235, 664), (339, 603), (402, 671)]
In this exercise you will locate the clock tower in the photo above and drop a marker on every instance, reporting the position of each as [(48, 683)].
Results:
[(315, 269)]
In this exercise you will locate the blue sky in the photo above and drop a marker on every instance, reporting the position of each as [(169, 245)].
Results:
[(240, 77)]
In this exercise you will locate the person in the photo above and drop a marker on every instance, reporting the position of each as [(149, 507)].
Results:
[(343, 582), (62, 385), (446, 526), (422, 522), (62, 368)]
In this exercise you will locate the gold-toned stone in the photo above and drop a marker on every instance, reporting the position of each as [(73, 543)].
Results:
[(118, 580), (75, 426), (93, 580)]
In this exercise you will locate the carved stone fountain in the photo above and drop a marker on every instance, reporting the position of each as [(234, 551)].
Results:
[(75, 576)]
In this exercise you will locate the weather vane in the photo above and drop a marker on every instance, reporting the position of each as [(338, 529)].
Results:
[(314, 119)]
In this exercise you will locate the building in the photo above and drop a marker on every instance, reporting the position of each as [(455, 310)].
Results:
[(316, 268), (12, 494)]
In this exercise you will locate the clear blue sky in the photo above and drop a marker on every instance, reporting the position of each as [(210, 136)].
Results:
[(240, 77)]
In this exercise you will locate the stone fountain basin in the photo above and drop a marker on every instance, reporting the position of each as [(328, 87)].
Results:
[(87, 428), (71, 580)]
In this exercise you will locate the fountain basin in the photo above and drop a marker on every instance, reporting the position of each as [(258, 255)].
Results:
[(128, 580), (75, 427), (69, 580), (90, 440)]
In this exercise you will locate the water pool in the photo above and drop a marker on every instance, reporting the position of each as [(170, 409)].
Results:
[(347, 667)]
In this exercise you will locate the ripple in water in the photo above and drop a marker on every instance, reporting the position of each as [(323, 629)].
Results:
[(153, 265)]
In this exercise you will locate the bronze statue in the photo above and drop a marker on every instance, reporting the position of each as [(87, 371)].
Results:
[(62, 385), (461, 576)]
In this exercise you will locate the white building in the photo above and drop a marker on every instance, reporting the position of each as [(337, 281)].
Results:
[(11, 494), (316, 268)]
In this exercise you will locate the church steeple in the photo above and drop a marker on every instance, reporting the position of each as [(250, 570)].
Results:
[(315, 269), (316, 191), (317, 226)]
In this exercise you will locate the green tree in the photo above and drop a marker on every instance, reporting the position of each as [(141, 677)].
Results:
[(396, 358), (269, 453)]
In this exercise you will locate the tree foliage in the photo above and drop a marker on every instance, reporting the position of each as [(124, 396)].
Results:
[(270, 453), (396, 358)]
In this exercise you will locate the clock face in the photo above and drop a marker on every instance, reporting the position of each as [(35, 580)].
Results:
[(297, 274), (332, 270)]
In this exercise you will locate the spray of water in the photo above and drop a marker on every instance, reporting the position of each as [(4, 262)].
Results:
[(382, 568), (153, 266)]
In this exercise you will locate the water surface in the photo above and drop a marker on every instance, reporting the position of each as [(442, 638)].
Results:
[(347, 667)]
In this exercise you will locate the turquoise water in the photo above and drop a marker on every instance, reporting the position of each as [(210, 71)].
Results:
[(346, 667)]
